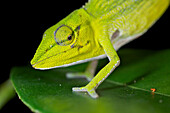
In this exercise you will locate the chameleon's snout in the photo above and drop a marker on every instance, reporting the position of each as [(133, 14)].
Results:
[(36, 65), (33, 63)]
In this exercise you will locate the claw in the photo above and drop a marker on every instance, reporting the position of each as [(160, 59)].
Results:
[(91, 92)]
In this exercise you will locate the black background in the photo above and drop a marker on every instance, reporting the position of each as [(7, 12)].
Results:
[(24, 26)]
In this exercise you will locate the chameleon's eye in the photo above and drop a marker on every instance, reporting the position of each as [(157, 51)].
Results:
[(64, 35)]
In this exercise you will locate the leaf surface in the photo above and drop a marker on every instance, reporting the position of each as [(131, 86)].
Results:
[(126, 90)]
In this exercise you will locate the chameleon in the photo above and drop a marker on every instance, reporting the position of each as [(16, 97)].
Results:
[(96, 30)]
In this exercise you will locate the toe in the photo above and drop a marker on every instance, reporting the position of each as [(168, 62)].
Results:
[(93, 93), (79, 89)]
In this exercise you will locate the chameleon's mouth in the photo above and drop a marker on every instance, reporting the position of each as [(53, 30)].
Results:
[(61, 58), (35, 64)]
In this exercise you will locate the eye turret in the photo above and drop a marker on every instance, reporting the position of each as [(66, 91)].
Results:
[(64, 35)]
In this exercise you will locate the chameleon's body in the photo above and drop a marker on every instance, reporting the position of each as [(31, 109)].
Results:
[(131, 17), (95, 31)]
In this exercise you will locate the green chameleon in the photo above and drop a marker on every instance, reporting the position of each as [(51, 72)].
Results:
[(95, 31)]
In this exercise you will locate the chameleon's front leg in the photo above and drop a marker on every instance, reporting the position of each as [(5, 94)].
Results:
[(103, 73)]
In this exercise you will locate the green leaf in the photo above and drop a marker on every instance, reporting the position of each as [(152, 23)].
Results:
[(126, 90)]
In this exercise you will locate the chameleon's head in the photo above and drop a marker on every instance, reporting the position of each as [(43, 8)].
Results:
[(68, 42)]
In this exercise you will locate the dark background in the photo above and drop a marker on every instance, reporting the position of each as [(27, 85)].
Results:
[(26, 22)]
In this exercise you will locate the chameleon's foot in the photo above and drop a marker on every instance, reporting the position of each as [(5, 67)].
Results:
[(91, 92), (80, 75)]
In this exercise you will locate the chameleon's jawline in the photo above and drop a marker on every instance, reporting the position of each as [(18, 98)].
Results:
[(73, 63)]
